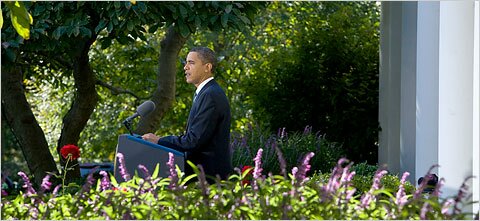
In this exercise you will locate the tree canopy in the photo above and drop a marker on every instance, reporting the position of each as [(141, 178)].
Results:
[(88, 65)]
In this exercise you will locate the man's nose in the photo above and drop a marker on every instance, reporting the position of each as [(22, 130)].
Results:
[(185, 67)]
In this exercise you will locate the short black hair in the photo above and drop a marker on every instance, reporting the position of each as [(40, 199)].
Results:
[(207, 55)]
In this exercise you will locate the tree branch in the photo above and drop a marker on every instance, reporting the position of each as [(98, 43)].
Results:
[(117, 90)]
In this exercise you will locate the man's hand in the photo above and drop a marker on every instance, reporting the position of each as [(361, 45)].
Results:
[(151, 137)]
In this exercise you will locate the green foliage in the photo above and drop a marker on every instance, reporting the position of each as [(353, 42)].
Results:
[(364, 169), (20, 18), (324, 74), (272, 197)]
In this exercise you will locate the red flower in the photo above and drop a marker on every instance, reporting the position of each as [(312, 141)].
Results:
[(70, 150), (247, 178)]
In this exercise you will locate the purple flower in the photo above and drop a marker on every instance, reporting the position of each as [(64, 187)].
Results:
[(88, 184), (122, 167), (46, 184), (294, 171), (203, 183), (4, 192), (281, 159), (145, 171), (257, 172), (436, 191), (462, 193), (401, 197), (305, 167), (335, 179), (424, 211), (27, 184), (369, 197), (173, 173), (307, 130), (424, 183), (446, 206), (282, 133), (105, 183), (55, 190)]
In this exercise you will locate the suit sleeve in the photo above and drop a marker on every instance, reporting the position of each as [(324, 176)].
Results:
[(200, 130)]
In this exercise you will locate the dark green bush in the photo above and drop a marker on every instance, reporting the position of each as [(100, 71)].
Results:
[(327, 77), (292, 145)]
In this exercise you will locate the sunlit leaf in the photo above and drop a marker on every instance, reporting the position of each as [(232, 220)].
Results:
[(20, 17)]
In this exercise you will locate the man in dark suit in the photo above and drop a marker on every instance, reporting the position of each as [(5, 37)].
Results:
[(206, 139)]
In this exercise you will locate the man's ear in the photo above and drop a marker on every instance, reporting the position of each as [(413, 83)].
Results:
[(209, 67)]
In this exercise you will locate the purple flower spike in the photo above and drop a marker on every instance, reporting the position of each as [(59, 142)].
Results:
[(55, 190), (173, 173), (105, 184), (307, 130), (4, 192), (424, 211), (46, 184), (28, 184), (122, 167), (257, 172), (401, 197), (436, 192), (145, 171), (305, 167), (446, 206), (88, 184), (294, 171), (369, 197)]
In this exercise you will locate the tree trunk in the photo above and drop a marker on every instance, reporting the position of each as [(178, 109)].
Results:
[(165, 92), (19, 115), (84, 103)]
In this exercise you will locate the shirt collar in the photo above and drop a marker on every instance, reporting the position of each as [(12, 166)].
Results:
[(199, 88)]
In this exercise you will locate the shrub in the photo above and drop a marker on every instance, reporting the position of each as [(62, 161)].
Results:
[(284, 146), (267, 197)]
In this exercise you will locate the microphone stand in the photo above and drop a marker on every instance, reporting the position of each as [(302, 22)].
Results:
[(127, 124)]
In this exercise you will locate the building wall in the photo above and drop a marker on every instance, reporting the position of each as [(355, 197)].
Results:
[(429, 91)]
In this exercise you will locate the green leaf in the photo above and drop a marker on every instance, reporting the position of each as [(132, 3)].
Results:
[(100, 25), (59, 32), (184, 31), (21, 19), (183, 11), (244, 19), (85, 32), (155, 172), (76, 31), (225, 20), (117, 4), (198, 22), (110, 27), (130, 25), (228, 9), (143, 7), (1, 19)]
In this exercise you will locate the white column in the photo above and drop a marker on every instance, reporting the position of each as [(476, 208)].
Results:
[(427, 88), (455, 138), (408, 76), (431, 74), (389, 85), (476, 108)]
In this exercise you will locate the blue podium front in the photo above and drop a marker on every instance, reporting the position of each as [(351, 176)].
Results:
[(137, 151)]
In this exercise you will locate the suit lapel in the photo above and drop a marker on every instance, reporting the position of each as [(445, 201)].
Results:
[(196, 104)]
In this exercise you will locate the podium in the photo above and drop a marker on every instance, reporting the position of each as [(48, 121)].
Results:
[(138, 151)]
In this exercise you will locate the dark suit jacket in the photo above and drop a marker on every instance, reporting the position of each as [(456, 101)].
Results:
[(207, 136)]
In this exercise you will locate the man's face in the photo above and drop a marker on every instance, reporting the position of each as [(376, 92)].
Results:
[(195, 70)]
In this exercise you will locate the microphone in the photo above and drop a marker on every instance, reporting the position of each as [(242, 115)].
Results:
[(142, 110)]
